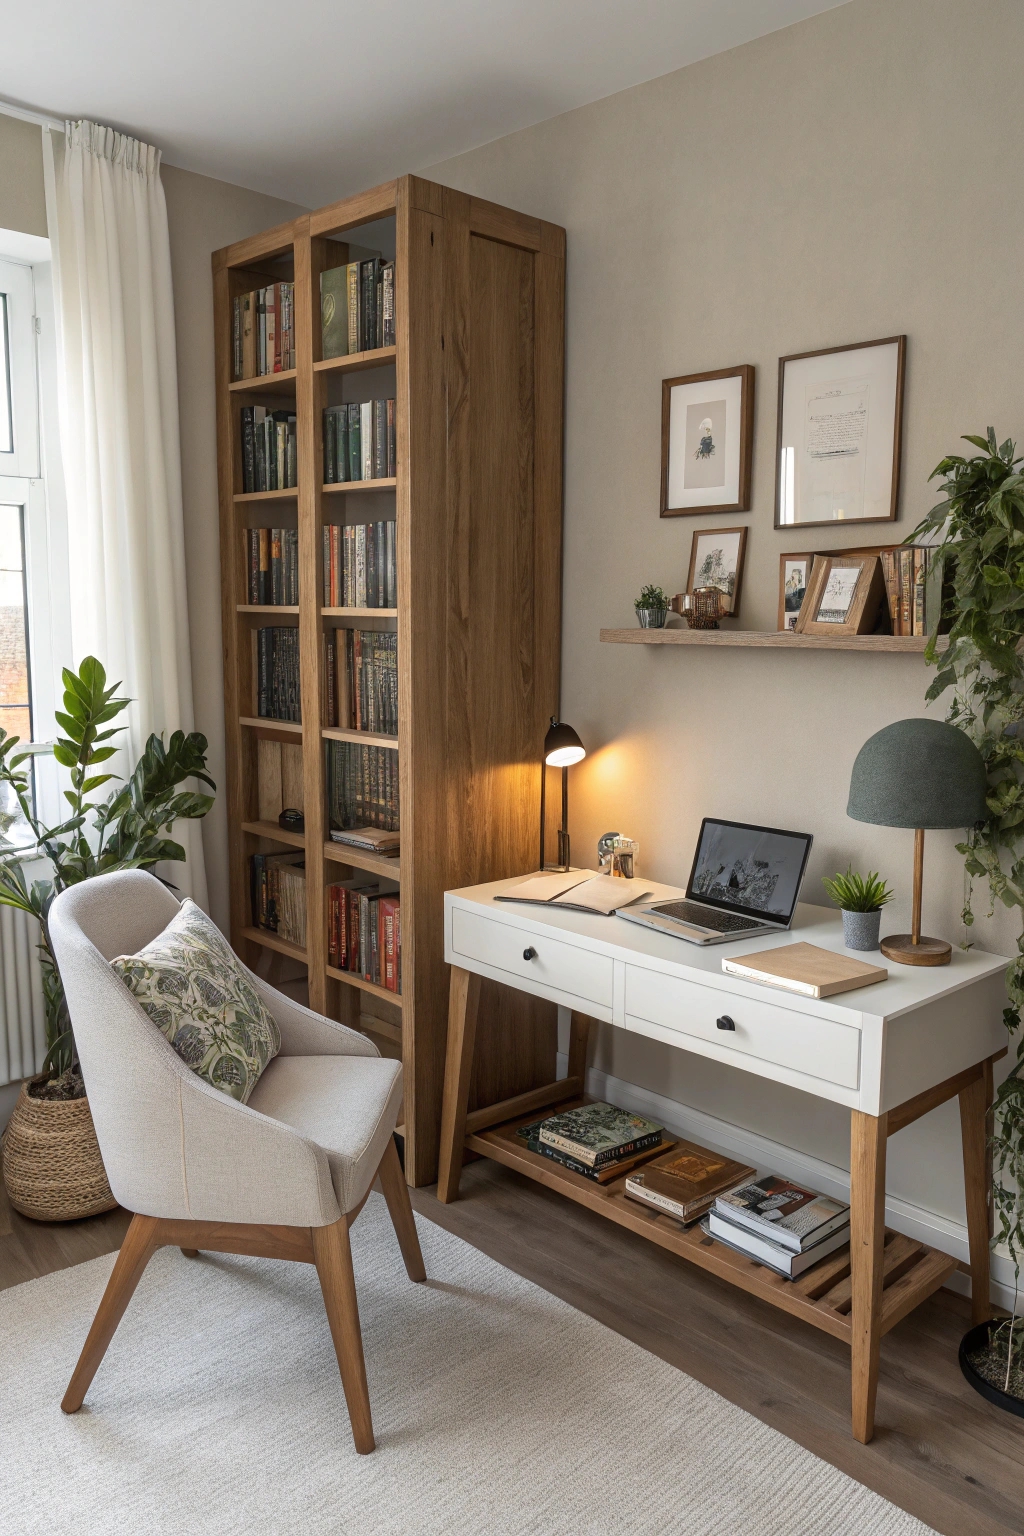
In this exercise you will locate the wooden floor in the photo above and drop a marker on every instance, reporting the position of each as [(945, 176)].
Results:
[(940, 1451)]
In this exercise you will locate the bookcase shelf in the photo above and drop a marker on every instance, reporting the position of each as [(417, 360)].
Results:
[(361, 858), (356, 361), (271, 829), (363, 738), (359, 613), (778, 640), (266, 381), (478, 558), (354, 980), (291, 494), (267, 940), (340, 486)]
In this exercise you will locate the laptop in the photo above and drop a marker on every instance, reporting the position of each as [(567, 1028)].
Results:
[(745, 881)]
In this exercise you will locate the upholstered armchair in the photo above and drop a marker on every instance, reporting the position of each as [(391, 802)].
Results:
[(283, 1176)]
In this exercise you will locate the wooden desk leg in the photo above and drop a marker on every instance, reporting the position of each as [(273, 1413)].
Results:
[(975, 1101), (463, 1002), (868, 1135)]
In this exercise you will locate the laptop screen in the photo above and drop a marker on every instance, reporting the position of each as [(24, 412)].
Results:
[(752, 870)]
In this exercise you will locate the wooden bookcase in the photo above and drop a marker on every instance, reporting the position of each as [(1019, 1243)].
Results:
[(477, 375)]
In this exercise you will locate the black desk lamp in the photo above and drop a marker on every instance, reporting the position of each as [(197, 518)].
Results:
[(562, 748), (918, 773)]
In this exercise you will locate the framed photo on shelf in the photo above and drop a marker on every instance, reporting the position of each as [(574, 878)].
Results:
[(843, 595), (794, 574), (839, 434), (707, 440), (716, 560)]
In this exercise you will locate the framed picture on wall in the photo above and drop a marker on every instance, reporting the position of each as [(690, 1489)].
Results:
[(839, 433), (843, 596), (707, 439), (794, 574), (716, 560)]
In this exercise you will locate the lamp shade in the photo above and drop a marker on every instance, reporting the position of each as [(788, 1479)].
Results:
[(562, 746), (918, 773)]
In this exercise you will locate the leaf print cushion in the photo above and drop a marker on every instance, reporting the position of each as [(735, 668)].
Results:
[(192, 985)]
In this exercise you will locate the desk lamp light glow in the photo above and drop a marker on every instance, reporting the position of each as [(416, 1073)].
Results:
[(562, 748)]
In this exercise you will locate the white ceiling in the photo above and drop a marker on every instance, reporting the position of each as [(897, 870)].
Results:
[(311, 99)]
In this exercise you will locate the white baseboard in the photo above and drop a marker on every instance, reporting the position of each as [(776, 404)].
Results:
[(914, 1221)]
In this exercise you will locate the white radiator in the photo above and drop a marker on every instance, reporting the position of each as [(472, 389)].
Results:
[(22, 1016)]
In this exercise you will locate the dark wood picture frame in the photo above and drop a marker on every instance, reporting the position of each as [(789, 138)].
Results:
[(699, 533), (792, 554), (867, 597), (900, 343), (745, 373)]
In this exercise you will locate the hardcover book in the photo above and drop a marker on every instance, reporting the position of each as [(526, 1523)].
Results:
[(691, 1174), (786, 1213), (807, 969), (602, 1174), (599, 1133), (334, 311), (774, 1255), (638, 1188)]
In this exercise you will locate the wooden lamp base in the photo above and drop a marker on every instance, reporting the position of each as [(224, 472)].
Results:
[(902, 948)]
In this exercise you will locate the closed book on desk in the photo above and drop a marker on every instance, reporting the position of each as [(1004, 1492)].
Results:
[(807, 969)]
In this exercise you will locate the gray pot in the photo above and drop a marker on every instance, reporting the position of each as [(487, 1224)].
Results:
[(652, 618), (861, 929)]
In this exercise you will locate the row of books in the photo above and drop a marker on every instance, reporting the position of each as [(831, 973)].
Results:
[(272, 565), (277, 885), (270, 460), (359, 441), (263, 331), (364, 933), (362, 786), (360, 568), (357, 307), (913, 587), (278, 695), (361, 680)]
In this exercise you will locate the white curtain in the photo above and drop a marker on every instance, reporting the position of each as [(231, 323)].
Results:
[(119, 433)]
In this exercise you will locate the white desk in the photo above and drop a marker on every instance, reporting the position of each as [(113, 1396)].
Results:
[(889, 1053)]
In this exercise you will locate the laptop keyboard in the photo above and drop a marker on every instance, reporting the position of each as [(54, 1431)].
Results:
[(705, 917)]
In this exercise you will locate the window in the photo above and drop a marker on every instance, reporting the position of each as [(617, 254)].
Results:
[(34, 627)]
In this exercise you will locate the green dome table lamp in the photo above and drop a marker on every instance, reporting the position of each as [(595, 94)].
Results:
[(920, 774)]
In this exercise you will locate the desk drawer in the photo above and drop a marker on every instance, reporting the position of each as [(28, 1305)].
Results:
[(766, 1031), (578, 972)]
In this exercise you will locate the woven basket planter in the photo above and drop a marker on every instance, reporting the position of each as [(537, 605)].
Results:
[(53, 1170)]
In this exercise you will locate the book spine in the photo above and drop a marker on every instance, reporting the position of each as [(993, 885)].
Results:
[(276, 568), (888, 559), (906, 591), (236, 337), (273, 355), (352, 288), (380, 439), (360, 565), (392, 462), (366, 440), (355, 457), (330, 446), (248, 450), (919, 578), (599, 1159), (248, 335), (252, 564), (388, 304)]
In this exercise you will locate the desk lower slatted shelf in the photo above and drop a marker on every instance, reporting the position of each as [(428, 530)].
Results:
[(821, 1296)]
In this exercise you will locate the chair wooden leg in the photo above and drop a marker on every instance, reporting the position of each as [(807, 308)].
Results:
[(396, 1193), (333, 1257), (136, 1251)]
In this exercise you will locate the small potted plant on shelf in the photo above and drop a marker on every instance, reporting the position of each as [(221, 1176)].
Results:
[(52, 1167), (651, 608), (861, 899)]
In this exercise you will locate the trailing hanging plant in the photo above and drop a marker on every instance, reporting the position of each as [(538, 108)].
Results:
[(981, 523), (126, 830)]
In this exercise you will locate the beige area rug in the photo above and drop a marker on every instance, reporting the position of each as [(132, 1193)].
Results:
[(498, 1409)]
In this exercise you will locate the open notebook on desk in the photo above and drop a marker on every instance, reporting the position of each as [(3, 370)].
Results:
[(580, 890)]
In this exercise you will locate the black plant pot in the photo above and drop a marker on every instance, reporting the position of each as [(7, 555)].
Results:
[(969, 1345)]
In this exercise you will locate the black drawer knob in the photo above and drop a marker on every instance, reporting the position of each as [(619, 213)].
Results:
[(725, 1022), (530, 954)]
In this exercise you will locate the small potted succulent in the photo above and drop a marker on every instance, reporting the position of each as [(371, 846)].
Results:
[(651, 608), (861, 898)]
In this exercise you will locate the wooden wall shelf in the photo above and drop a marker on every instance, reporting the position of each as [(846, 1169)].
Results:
[(778, 640), (267, 608), (478, 555)]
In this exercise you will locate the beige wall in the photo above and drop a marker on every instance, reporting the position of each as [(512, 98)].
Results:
[(22, 201), (851, 177), (204, 215)]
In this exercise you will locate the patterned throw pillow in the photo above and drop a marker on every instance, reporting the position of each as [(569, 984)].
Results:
[(193, 987)]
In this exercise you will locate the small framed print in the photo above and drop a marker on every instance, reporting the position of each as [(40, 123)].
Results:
[(794, 574), (842, 597), (839, 434), (707, 439), (716, 560)]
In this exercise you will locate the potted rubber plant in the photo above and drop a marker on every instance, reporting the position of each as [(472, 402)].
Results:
[(980, 523), (52, 1166), (651, 608), (861, 899)]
